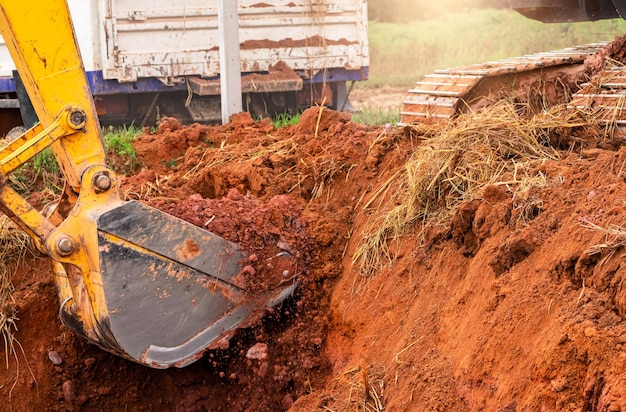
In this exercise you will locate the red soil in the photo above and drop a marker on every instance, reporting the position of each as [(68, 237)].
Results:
[(491, 313)]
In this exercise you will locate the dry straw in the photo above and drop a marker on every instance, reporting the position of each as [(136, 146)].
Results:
[(614, 239), (13, 247), (365, 388), (455, 161)]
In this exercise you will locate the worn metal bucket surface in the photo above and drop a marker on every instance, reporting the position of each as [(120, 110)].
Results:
[(172, 289)]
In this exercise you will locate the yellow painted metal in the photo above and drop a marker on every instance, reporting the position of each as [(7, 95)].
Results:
[(29, 220), (14, 145), (35, 140), (20, 151), (80, 231), (40, 38)]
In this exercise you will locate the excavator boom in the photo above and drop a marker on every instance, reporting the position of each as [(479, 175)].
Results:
[(131, 279), (559, 11)]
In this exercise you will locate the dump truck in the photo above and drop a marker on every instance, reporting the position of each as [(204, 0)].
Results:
[(146, 59)]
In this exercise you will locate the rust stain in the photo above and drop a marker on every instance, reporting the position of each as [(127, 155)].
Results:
[(227, 291), (188, 250), (313, 41), (162, 293), (240, 280), (180, 274)]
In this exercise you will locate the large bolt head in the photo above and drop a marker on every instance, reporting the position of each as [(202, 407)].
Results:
[(102, 182), (77, 118), (65, 246)]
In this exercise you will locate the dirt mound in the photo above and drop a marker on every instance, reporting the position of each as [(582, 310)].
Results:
[(614, 51), (504, 308), (293, 189)]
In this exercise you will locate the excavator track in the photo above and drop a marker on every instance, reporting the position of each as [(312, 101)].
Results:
[(449, 92), (605, 96)]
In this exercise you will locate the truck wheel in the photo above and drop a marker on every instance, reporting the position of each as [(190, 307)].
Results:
[(14, 133)]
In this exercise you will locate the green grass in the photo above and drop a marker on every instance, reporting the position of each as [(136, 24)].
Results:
[(369, 116), (43, 171), (14, 244), (118, 141), (45, 161), (400, 54), (376, 116), (285, 119)]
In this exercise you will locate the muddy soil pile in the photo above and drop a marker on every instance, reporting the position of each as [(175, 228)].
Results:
[(487, 312), (294, 190)]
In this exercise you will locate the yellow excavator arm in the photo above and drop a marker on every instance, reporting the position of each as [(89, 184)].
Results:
[(131, 279)]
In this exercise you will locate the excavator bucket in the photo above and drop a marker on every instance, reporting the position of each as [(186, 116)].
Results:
[(151, 287), (161, 290), (172, 289)]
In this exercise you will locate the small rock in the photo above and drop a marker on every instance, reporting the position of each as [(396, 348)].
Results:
[(258, 351), (89, 362), (263, 369), (591, 195), (249, 270), (223, 344), (82, 399), (590, 332), (559, 384), (69, 392), (286, 247), (55, 358), (287, 402)]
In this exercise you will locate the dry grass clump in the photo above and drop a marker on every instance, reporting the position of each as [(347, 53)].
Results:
[(365, 389), (456, 160), (614, 239), (212, 158), (13, 247), (312, 172)]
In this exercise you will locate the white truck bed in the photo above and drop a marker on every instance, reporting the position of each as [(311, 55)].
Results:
[(131, 39)]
